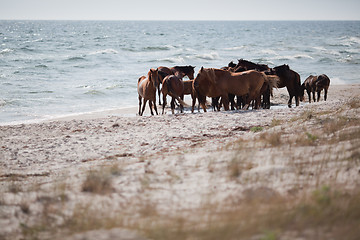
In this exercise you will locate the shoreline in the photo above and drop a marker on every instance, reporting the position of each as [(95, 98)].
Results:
[(278, 101)]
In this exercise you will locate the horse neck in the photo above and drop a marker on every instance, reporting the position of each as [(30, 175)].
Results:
[(151, 80)]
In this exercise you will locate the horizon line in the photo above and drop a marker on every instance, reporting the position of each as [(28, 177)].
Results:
[(183, 20)]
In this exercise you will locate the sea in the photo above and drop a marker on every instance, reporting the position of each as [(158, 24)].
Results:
[(51, 69)]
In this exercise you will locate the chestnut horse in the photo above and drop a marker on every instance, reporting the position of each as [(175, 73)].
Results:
[(216, 82), (173, 86), (189, 90), (315, 84), (241, 66), (289, 79), (180, 71), (147, 89)]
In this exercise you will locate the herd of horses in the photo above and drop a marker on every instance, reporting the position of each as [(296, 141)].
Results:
[(249, 82)]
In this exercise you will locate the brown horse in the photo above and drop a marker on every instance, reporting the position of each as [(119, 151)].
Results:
[(173, 86), (241, 66), (189, 90), (180, 71), (315, 84), (147, 90), (289, 79), (216, 82)]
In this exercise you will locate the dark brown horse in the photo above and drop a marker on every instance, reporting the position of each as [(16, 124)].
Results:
[(316, 84), (179, 71), (216, 82), (289, 79), (173, 86), (244, 65), (147, 90)]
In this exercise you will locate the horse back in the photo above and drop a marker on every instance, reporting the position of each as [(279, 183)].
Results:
[(243, 82), (174, 84)]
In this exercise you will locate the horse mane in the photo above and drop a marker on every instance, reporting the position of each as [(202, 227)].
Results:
[(211, 73), (251, 66), (185, 69), (149, 76), (282, 68)]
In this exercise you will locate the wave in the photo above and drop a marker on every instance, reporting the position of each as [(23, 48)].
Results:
[(94, 92), (235, 48), (345, 41), (41, 66), (293, 57), (177, 59), (104, 51), (76, 58), (208, 56), (2, 103), (158, 48), (6, 51), (27, 49), (269, 52), (36, 40)]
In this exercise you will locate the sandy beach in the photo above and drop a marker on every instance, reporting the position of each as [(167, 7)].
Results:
[(214, 175)]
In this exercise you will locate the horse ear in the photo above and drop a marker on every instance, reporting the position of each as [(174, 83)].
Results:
[(202, 68)]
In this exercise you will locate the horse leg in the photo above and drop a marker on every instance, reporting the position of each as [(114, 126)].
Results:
[(164, 103), (290, 100), (232, 101), (318, 95), (143, 107), (140, 100), (155, 107), (225, 101), (314, 96), (297, 100), (172, 105), (159, 94), (181, 106), (193, 102), (325, 94), (309, 95), (257, 102), (150, 106)]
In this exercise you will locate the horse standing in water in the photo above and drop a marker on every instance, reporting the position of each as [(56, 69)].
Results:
[(216, 82), (180, 71), (147, 90), (315, 84)]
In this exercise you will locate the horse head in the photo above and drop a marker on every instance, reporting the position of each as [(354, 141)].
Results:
[(282, 68), (153, 76), (231, 64), (190, 72)]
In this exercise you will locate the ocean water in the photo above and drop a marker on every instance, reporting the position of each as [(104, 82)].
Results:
[(57, 68)]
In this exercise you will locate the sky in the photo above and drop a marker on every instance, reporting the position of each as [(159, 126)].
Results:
[(180, 10)]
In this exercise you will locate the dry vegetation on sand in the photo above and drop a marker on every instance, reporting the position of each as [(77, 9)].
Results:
[(287, 174)]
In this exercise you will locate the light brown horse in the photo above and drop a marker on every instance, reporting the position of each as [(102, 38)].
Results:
[(216, 82), (173, 86), (147, 90), (315, 84), (180, 71)]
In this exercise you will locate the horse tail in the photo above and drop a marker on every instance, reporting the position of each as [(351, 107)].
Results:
[(173, 94), (272, 81)]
